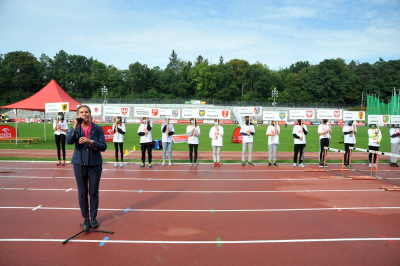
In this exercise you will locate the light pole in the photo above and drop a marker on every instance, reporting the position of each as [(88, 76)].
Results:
[(104, 91), (274, 94)]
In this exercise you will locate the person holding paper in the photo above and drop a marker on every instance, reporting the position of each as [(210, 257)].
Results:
[(60, 127), (119, 132), (324, 131), (193, 131), (216, 134), (273, 142), (394, 133), (374, 142), (167, 130), (299, 134), (349, 132), (247, 131), (146, 141)]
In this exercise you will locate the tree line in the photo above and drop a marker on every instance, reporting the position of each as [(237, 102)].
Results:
[(331, 81)]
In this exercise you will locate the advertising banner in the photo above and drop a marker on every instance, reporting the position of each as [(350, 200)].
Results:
[(379, 119), (354, 116), (249, 111), (180, 138), (108, 133), (7, 132), (302, 114), (170, 113), (116, 111), (274, 116), (56, 107), (329, 114), (146, 112)]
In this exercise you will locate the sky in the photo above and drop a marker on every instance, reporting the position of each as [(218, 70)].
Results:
[(275, 33)]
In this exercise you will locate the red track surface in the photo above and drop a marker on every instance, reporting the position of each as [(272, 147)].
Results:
[(201, 204), (179, 155)]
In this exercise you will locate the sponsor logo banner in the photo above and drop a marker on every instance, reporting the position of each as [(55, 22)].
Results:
[(302, 114), (206, 113), (7, 132), (249, 111), (108, 133), (116, 111), (274, 116), (180, 138), (379, 119), (329, 114), (56, 107), (355, 116)]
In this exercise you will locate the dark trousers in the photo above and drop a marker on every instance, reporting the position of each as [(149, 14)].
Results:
[(94, 174), (372, 148), (191, 147), (149, 147), (60, 143), (347, 152), (324, 142), (121, 147), (299, 148)]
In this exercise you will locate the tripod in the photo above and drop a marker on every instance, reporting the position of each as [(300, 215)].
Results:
[(84, 175)]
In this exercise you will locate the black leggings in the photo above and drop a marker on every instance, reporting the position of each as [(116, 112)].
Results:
[(324, 142), (347, 152), (121, 147), (372, 148), (299, 148), (146, 146), (191, 146), (60, 139)]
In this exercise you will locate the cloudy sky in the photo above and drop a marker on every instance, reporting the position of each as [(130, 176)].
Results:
[(276, 33)]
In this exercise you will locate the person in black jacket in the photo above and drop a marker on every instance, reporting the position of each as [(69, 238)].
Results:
[(299, 134), (146, 141)]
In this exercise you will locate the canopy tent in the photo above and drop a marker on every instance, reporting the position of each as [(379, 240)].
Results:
[(51, 93)]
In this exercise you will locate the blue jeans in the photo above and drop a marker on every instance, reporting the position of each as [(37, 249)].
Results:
[(166, 145)]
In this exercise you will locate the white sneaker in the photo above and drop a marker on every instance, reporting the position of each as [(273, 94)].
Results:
[(294, 165), (302, 165), (163, 164), (374, 165), (195, 164), (121, 165), (191, 164), (369, 165), (170, 163), (116, 165)]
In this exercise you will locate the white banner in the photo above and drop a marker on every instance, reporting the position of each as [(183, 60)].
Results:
[(250, 111), (146, 112), (94, 108), (56, 107), (355, 116), (116, 111), (379, 119), (302, 114), (238, 117), (206, 113), (395, 119), (170, 113), (275, 116), (329, 114)]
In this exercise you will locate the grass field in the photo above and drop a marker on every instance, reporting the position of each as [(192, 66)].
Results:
[(260, 139)]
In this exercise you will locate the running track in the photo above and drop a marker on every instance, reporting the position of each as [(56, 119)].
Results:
[(179, 215)]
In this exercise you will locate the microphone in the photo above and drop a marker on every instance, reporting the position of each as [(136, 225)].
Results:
[(80, 120)]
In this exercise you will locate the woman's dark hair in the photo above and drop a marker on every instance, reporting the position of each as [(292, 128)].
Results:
[(195, 124)]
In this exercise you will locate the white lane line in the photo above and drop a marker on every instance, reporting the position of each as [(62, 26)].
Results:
[(336, 208), (68, 190), (210, 191), (34, 209), (216, 210), (208, 242)]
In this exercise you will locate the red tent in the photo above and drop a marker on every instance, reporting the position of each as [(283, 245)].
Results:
[(51, 93)]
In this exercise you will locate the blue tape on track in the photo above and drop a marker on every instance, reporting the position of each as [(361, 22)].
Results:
[(126, 210), (149, 178), (104, 241), (140, 191)]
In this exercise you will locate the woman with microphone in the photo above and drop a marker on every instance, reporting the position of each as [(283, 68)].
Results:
[(60, 131), (89, 142)]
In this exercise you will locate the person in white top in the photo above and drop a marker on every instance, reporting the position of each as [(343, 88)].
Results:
[(193, 131), (119, 132), (216, 135), (273, 132), (299, 134), (394, 133), (374, 142), (247, 131), (324, 131), (146, 141), (349, 132), (60, 127), (167, 130)]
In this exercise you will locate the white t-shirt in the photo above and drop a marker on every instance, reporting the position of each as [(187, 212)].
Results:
[(118, 137), (374, 140), (273, 139), (217, 136), (393, 131), (193, 134), (62, 125), (165, 136), (143, 128), (349, 138), (323, 128), (244, 129), (298, 131)]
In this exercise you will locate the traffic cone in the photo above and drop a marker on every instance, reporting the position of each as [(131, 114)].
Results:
[(126, 153), (134, 148)]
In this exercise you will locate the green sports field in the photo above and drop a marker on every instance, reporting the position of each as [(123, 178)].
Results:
[(260, 139)]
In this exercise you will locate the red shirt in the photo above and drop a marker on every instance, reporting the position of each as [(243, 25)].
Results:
[(87, 131)]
